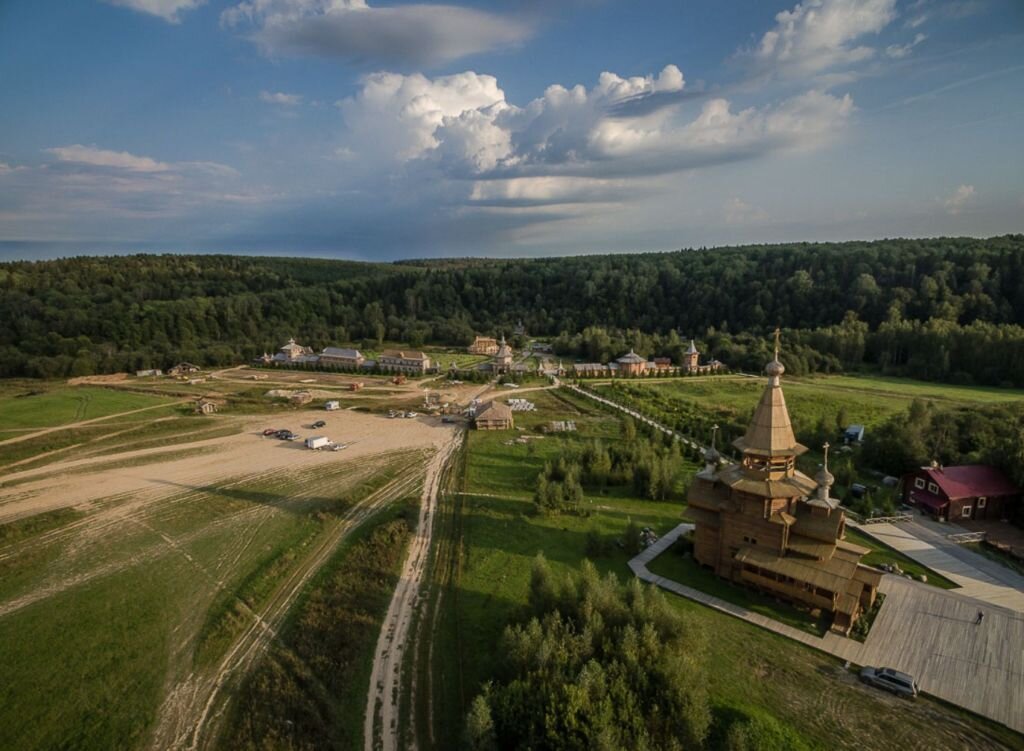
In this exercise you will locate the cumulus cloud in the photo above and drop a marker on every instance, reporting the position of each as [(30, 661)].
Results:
[(280, 98), (169, 10), (962, 197), (463, 126), (819, 35), (354, 31)]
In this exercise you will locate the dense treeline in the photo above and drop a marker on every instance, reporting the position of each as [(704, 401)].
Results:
[(927, 432), (943, 308)]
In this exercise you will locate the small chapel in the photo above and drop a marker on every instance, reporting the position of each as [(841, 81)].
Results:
[(761, 522)]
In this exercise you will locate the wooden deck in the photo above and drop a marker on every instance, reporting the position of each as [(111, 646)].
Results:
[(928, 632)]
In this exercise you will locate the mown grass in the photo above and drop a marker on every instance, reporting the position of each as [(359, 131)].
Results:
[(23, 529), (882, 553), (43, 404), (752, 671), (85, 669)]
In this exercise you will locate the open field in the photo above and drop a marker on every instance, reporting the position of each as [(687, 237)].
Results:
[(151, 579), (910, 388), (26, 405), (495, 537), (695, 403)]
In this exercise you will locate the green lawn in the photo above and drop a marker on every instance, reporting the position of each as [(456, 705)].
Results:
[(882, 553), (685, 570), (43, 405), (753, 671)]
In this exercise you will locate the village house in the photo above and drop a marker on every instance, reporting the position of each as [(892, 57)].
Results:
[(494, 416), (763, 523), (149, 373), (183, 368), (483, 345), (342, 357), (972, 491), (401, 361), (205, 406)]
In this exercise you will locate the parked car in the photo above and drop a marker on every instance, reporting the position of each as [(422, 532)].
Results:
[(271, 431), (901, 684), (319, 424)]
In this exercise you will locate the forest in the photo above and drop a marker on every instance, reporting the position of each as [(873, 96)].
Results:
[(946, 309)]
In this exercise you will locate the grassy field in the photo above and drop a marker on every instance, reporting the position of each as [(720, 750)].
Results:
[(730, 400), (310, 689), (101, 610), (40, 404), (910, 388), (753, 671), (685, 570)]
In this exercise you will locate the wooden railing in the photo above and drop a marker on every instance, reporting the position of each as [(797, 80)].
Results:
[(965, 537)]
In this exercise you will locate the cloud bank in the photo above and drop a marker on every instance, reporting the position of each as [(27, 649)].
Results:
[(356, 32), (570, 144)]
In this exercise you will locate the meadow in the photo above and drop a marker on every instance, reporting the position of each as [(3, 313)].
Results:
[(26, 405), (104, 609), (496, 535)]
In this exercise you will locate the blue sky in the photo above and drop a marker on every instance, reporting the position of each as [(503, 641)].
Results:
[(377, 131)]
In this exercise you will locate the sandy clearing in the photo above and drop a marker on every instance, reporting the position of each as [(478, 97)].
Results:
[(248, 452)]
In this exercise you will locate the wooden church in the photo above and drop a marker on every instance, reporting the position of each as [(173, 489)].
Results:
[(764, 523)]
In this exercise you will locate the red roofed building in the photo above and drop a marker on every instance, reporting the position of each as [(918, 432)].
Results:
[(971, 491)]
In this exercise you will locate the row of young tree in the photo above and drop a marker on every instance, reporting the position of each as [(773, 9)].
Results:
[(650, 466), (943, 308)]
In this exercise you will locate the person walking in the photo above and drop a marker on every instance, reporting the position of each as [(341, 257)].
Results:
[(979, 619)]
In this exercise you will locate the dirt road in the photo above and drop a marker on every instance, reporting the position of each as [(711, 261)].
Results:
[(189, 718), (382, 703)]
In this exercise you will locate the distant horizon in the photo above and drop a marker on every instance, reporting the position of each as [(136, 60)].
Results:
[(344, 128), (50, 250)]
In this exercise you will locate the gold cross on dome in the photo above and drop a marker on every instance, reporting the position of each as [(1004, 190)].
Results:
[(778, 336)]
